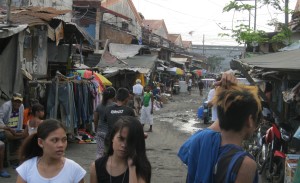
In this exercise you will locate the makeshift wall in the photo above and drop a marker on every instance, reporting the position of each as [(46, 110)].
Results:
[(11, 79), (57, 53), (114, 36), (35, 54)]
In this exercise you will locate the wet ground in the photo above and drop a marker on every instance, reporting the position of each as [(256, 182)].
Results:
[(173, 124)]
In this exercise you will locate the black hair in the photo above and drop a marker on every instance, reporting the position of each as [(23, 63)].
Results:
[(269, 87), (109, 93), (122, 94), (235, 105), (30, 147), (37, 108), (136, 147)]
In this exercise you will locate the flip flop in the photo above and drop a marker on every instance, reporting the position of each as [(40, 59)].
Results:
[(4, 174)]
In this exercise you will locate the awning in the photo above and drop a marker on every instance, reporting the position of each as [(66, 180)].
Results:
[(280, 61), (175, 70), (7, 31), (178, 60), (143, 61), (163, 66), (142, 64), (123, 51), (81, 66)]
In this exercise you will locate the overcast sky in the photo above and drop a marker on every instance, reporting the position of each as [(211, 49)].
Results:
[(205, 17)]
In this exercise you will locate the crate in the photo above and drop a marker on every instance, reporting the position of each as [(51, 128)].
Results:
[(291, 162)]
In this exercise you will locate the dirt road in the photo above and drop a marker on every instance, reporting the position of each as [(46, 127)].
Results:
[(162, 144)]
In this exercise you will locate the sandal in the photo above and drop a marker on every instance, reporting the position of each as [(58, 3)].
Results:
[(4, 174)]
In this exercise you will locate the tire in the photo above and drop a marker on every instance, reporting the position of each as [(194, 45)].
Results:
[(259, 159), (277, 176)]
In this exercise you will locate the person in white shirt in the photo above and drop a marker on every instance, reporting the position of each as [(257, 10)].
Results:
[(211, 94), (190, 85), (42, 157), (138, 91)]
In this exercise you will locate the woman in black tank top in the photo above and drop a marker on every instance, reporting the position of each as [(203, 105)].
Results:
[(126, 159)]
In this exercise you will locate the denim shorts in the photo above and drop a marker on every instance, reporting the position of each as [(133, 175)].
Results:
[(2, 136)]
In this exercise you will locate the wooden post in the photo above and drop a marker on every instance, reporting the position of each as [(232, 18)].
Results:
[(99, 17), (8, 12), (105, 48), (56, 96)]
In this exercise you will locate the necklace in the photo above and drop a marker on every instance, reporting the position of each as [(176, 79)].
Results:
[(111, 172), (43, 168)]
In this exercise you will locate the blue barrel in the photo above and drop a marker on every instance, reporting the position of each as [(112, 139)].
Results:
[(200, 112)]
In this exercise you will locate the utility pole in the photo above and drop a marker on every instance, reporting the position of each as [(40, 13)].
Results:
[(8, 12), (286, 13), (98, 19), (255, 13)]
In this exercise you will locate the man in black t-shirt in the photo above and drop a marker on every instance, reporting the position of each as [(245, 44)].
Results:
[(112, 113)]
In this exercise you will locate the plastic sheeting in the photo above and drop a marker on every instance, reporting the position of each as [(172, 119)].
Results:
[(123, 51), (11, 79)]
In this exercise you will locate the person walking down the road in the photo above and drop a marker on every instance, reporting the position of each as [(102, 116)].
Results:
[(190, 83), (203, 145), (210, 96), (200, 86), (126, 160), (147, 109), (239, 113), (42, 157), (115, 111), (101, 126), (138, 91)]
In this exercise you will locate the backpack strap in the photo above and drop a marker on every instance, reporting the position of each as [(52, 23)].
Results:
[(231, 175)]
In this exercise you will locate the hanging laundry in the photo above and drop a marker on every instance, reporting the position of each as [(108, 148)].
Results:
[(59, 33), (51, 33)]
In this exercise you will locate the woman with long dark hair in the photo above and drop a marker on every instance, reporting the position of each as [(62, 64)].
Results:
[(101, 125), (126, 159), (42, 157)]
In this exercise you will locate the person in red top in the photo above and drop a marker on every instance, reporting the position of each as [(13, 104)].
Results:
[(28, 113)]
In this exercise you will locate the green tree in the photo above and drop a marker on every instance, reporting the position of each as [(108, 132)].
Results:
[(244, 34)]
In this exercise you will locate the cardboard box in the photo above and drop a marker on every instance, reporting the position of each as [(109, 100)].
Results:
[(291, 162)]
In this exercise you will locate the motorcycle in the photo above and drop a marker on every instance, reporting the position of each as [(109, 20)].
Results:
[(273, 145)]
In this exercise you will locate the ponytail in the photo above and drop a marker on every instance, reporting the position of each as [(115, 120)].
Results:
[(30, 148)]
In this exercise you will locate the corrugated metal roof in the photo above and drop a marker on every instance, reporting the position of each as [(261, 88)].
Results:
[(142, 64), (280, 61), (153, 24), (6, 31), (34, 15)]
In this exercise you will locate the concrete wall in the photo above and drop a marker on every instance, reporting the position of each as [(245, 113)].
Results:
[(123, 8), (227, 52), (60, 5)]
